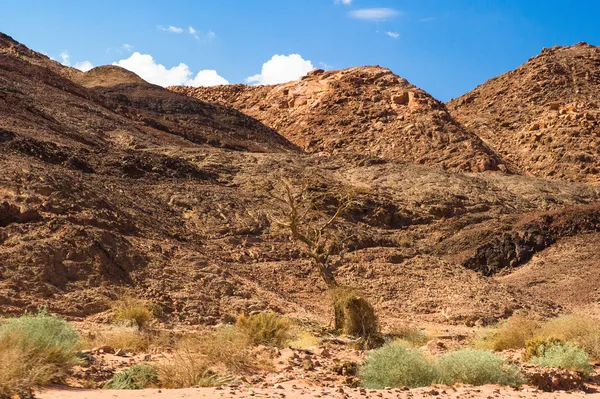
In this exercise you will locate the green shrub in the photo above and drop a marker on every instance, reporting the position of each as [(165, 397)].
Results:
[(537, 347), (511, 334), (135, 377), (582, 330), (564, 356), (266, 328), (34, 351), (394, 365), (477, 367)]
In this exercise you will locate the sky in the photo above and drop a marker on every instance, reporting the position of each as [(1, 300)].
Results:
[(446, 47)]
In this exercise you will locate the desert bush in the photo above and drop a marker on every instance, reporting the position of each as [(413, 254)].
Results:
[(304, 340), (511, 334), (582, 330), (476, 367), (266, 328), (354, 315), (394, 365), (133, 311), (135, 377), (564, 356), (195, 357), (225, 347), (186, 369), (537, 347), (411, 335), (34, 351), (128, 337)]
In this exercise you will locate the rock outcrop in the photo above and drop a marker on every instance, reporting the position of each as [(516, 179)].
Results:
[(544, 116), (363, 110)]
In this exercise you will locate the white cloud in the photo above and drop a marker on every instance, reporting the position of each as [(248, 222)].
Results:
[(191, 30), (153, 72), (429, 19), (394, 35), (83, 66), (325, 65), (374, 14), (281, 69), (207, 77), (127, 47), (344, 2), (210, 35), (170, 28), (65, 58)]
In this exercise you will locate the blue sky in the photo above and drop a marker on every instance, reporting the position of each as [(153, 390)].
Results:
[(445, 47)]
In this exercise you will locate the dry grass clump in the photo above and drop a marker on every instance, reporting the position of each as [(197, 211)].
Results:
[(304, 340), (511, 334), (133, 311), (582, 330), (411, 335), (354, 315), (135, 377), (34, 351), (266, 328), (196, 358), (477, 367), (126, 337)]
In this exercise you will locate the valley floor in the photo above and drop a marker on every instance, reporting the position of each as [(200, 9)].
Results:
[(298, 389)]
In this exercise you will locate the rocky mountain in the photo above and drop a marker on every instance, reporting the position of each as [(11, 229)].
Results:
[(110, 183), (363, 110), (544, 116)]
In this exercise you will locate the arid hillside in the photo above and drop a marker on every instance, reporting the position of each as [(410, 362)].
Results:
[(109, 182), (364, 110), (543, 117)]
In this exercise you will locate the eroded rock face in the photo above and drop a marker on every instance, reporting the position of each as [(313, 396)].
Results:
[(544, 116), (109, 182), (363, 110)]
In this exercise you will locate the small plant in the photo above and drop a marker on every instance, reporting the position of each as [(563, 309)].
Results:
[(582, 330), (34, 351), (126, 337), (354, 315), (133, 311), (190, 364), (564, 356), (511, 334), (266, 328), (394, 365), (135, 377), (537, 347), (477, 367), (411, 335)]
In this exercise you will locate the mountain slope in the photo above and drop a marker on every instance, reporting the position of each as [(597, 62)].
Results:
[(544, 116), (110, 183), (364, 110)]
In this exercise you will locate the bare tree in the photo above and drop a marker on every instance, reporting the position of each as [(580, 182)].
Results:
[(320, 235), (301, 213)]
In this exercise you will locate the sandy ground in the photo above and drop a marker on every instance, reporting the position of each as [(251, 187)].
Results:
[(293, 390)]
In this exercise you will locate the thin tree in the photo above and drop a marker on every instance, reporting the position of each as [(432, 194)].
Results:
[(321, 236), (301, 214)]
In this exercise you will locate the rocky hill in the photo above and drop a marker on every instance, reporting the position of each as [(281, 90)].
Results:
[(543, 117), (109, 182), (363, 110)]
